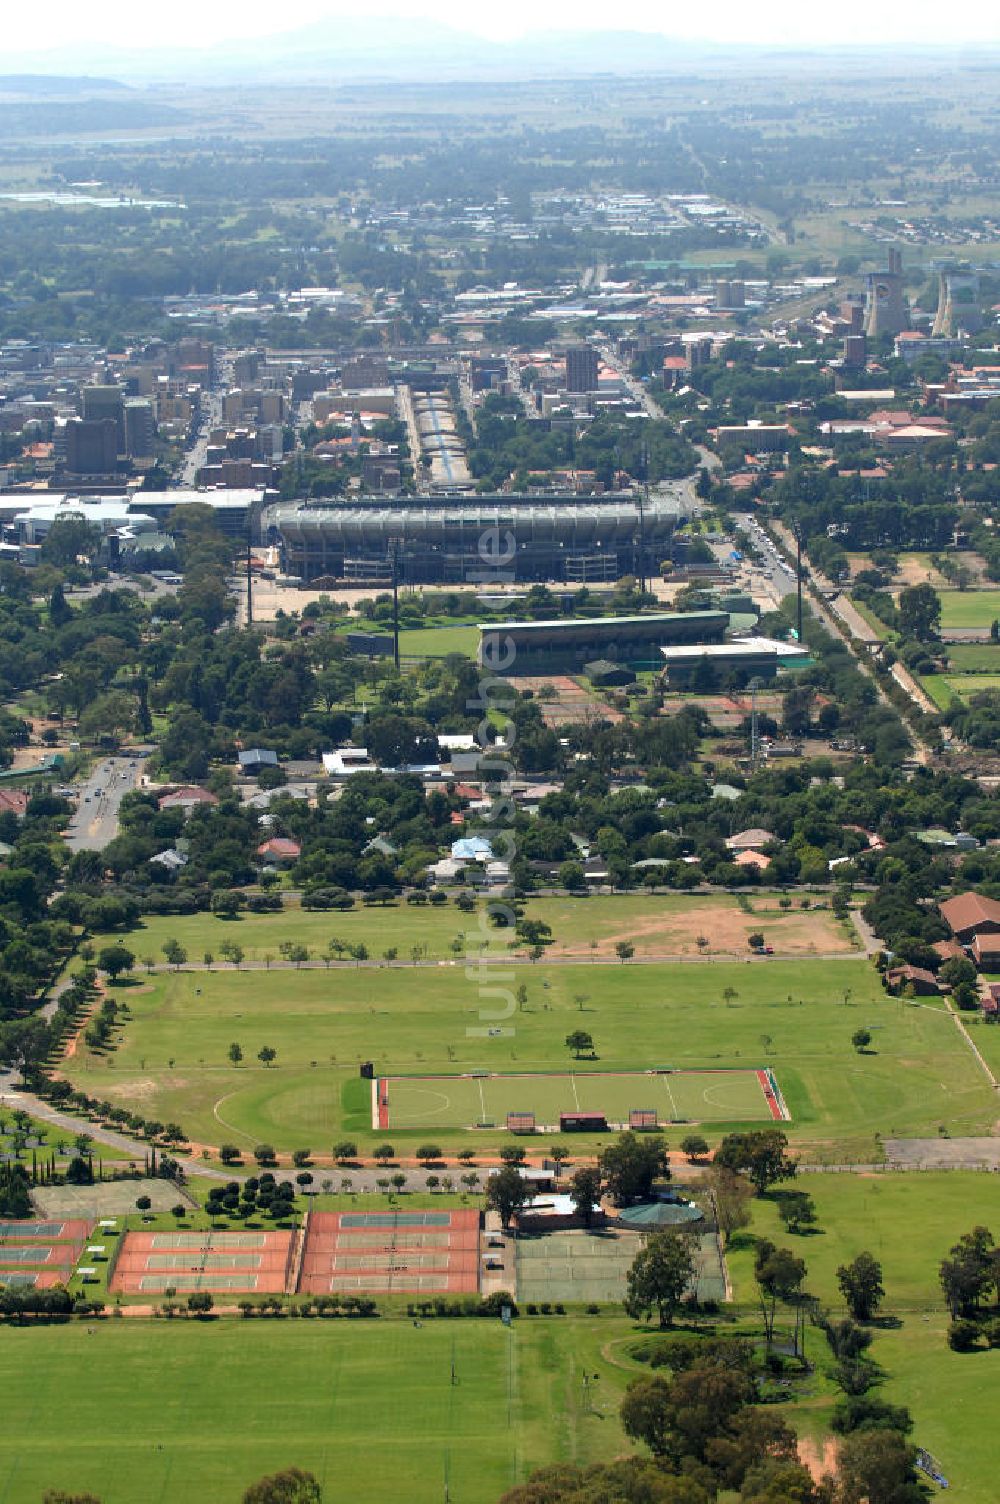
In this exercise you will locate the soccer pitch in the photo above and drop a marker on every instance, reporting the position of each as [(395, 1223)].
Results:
[(483, 1101)]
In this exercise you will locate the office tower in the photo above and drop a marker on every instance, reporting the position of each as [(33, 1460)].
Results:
[(91, 446), (581, 369), (140, 429), (97, 402)]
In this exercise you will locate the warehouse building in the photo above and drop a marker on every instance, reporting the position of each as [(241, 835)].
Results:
[(706, 666)]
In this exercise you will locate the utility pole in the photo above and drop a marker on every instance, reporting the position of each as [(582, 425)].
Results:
[(755, 684), (394, 562), (643, 491), (798, 579), (249, 585)]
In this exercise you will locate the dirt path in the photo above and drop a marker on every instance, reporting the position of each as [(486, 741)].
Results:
[(821, 1464)]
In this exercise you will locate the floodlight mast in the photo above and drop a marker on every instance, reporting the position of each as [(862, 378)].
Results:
[(394, 547), (755, 684)]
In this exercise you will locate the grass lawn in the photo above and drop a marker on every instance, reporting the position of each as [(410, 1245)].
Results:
[(189, 1418), (944, 1392), (878, 1213), (908, 1221), (796, 1017), (438, 642), (964, 686), (658, 924), (974, 657), (941, 688), (969, 608)]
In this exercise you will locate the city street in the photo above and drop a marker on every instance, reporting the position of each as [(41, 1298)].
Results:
[(95, 820)]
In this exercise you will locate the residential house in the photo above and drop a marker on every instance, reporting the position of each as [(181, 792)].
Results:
[(917, 979), (188, 797), (750, 840), (280, 850)]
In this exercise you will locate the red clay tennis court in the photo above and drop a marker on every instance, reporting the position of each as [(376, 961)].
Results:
[(40, 1254), (237, 1262), (401, 1252)]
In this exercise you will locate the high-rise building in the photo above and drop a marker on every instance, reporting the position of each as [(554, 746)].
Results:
[(698, 352), (140, 429), (582, 366), (91, 446), (246, 367), (885, 305), (97, 402), (854, 350)]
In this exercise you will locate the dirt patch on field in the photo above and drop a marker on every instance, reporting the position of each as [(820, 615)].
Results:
[(673, 932), (915, 571), (136, 1091), (821, 1463), (563, 700)]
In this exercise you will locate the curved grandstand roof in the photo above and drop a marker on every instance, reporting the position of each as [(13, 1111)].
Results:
[(417, 520)]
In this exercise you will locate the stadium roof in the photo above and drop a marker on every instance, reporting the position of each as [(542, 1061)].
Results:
[(573, 623)]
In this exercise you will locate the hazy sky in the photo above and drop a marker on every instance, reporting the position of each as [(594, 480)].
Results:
[(190, 22)]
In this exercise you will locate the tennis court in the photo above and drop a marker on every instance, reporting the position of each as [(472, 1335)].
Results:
[(479, 1100), (426, 1252), (252, 1262), (591, 1266), (41, 1254)]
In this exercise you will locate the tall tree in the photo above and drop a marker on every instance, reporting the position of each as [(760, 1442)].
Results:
[(632, 1165), (861, 1285), (660, 1276), (506, 1192), (760, 1153)]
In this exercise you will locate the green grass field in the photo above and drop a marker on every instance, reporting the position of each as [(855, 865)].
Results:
[(944, 689), (974, 657), (656, 924), (909, 1222), (449, 1101), (438, 642), (795, 1016), (969, 608), (175, 1411)]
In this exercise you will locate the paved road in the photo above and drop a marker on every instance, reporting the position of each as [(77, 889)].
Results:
[(95, 819)]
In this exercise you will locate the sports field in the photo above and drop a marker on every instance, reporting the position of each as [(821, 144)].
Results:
[(969, 608), (483, 1101), (661, 924), (171, 1411), (796, 1017)]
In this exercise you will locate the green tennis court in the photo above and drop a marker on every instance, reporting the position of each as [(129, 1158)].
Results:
[(470, 1101)]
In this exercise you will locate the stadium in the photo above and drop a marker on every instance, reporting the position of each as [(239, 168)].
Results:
[(559, 539)]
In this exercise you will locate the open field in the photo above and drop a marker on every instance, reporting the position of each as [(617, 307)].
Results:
[(448, 1101), (974, 657), (969, 608), (657, 925), (945, 689), (796, 1017), (172, 1412), (438, 642), (880, 1213), (908, 1222)]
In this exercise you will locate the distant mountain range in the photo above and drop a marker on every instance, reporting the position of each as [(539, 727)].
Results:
[(420, 51)]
